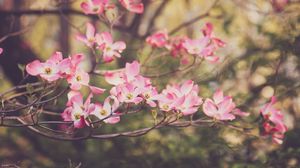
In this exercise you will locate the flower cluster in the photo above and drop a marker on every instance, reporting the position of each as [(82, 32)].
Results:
[(181, 98), (79, 111), (273, 122), (204, 47), (130, 86), (103, 42), (58, 68), (99, 6)]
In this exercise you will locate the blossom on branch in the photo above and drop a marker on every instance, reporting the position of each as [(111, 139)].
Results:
[(94, 6), (205, 46), (78, 111), (158, 39), (110, 49), (89, 38), (221, 107), (135, 6), (182, 98), (273, 122), (107, 111), (51, 70)]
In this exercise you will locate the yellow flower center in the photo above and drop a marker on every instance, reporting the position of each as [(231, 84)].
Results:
[(147, 96), (77, 116), (103, 112), (165, 107), (78, 78), (48, 70), (129, 96)]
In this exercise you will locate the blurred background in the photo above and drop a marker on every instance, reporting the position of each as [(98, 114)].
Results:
[(261, 59)]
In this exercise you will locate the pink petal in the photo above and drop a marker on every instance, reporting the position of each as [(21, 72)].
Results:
[(240, 113), (218, 96), (138, 8), (90, 30), (107, 38), (96, 90), (34, 68), (209, 108), (119, 45), (207, 31), (132, 69), (112, 120), (56, 57), (1, 50), (85, 7)]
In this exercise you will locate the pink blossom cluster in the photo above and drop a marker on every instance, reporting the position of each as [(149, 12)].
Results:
[(181, 98), (103, 42), (273, 122), (204, 47), (79, 112), (58, 68), (130, 86), (99, 6)]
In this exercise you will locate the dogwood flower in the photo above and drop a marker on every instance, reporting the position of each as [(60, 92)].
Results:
[(90, 37), (158, 39), (206, 46), (273, 122), (78, 78), (49, 70), (107, 111), (93, 6), (183, 98), (110, 49), (78, 111), (221, 107), (135, 6), (128, 93), (128, 74)]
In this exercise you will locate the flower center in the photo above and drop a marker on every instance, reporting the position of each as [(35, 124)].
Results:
[(77, 116), (48, 71), (147, 96), (103, 112), (165, 107), (78, 78), (129, 96)]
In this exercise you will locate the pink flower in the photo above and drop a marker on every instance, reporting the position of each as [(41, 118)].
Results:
[(93, 6), (78, 78), (149, 94), (206, 46), (183, 98), (49, 70), (158, 39), (128, 74), (78, 111), (89, 38), (221, 107), (107, 111), (135, 6), (273, 122), (128, 93), (110, 49), (279, 5), (1, 50)]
